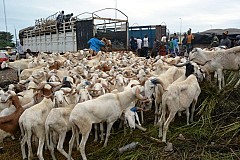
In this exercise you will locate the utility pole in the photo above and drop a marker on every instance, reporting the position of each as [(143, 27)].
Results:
[(115, 9), (115, 15), (4, 9), (15, 36), (180, 34)]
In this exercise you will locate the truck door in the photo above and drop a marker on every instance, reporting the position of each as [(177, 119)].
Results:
[(84, 31)]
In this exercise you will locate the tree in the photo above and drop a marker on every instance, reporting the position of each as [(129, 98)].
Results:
[(6, 39)]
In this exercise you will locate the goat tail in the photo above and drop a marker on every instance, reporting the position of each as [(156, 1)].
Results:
[(20, 122), (73, 138), (164, 107), (47, 134)]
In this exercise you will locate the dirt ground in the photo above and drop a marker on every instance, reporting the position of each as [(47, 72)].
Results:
[(8, 76)]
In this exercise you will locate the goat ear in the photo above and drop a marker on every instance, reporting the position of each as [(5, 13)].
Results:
[(155, 81), (181, 65), (104, 91), (79, 97), (106, 87), (90, 97), (132, 85), (195, 50), (126, 80), (54, 102)]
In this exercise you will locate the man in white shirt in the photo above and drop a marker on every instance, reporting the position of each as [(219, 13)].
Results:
[(139, 46), (164, 39), (145, 46)]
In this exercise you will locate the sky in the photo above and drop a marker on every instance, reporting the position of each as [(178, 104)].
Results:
[(199, 15)]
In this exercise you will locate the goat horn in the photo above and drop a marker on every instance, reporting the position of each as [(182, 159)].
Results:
[(34, 88), (73, 93), (8, 97), (181, 65), (106, 87), (27, 81), (40, 86)]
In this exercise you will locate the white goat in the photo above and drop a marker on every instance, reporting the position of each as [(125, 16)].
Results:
[(58, 122), (3, 104), (20, 64), (130, 115), (98, 90), (178, 97), (151, 87), (65, 96), (106, 108), (217, 61), (32, 122)]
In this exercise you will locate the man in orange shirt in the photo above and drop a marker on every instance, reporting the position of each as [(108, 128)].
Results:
[(189, 40)]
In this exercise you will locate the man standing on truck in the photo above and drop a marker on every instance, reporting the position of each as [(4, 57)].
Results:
[(60, 19), (95, 44)]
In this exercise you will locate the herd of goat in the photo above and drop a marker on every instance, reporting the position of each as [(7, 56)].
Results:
[(72, 92)]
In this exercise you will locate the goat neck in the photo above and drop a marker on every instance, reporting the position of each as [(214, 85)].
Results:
[(16, 102)]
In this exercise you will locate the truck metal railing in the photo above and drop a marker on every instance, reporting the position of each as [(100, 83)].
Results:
[(48, 25), (47, 29)]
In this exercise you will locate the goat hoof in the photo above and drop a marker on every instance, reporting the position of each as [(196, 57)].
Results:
[(1, 150), (168, 148), (105, 145)]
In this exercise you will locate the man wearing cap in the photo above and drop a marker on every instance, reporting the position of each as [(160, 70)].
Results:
[(225, 41), (237, 42), (215, 41)]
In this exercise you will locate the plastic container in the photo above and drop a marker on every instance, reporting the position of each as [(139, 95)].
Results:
[(128, 147)]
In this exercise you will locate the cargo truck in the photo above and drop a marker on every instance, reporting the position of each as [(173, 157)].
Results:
[(74, 33)]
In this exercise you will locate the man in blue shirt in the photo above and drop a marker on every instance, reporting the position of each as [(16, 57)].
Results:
[(95, 44), (175, 46)]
